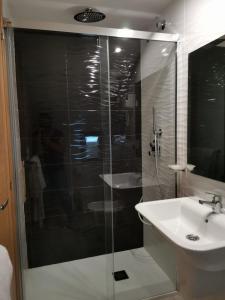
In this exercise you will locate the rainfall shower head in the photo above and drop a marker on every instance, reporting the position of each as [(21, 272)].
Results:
[(89, 16)]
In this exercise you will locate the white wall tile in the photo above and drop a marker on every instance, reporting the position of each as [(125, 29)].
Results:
[(198, 23)]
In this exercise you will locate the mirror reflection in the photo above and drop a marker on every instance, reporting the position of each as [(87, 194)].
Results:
[(206, 110)]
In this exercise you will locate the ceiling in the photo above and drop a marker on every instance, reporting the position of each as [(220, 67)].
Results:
[(134, 14)]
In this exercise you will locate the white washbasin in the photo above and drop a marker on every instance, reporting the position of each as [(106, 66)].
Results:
[(176, 218)]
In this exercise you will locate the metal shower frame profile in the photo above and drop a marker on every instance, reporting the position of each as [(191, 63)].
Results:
[(95, 30)]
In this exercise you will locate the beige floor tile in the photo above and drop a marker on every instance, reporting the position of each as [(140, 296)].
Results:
[(169, 297)]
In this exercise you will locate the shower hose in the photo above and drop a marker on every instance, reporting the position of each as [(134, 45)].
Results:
[(157, 153)]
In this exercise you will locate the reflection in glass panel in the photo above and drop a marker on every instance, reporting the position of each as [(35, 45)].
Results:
[(206, 110), (91, 155), (142, 86), (64, 131)]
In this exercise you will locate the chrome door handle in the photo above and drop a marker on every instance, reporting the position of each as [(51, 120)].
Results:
[(3, 205)]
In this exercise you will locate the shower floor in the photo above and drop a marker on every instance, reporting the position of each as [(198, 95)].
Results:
[(86, 279)]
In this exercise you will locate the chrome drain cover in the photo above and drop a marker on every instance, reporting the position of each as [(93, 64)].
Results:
[(192, 237)]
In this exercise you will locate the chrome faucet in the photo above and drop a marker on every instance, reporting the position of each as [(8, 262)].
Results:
[(216, 203)]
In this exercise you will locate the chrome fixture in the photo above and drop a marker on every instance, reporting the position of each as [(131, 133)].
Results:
[(192, 237), (117, 50), (157, 133), (89, 16), (3, 205), (160, 24), (216, 204)]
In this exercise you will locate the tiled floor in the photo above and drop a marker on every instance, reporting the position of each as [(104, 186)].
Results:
[(86, 279), (169, 297)]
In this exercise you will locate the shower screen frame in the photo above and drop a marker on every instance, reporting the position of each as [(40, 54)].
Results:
[(97, 31), (100, 32)]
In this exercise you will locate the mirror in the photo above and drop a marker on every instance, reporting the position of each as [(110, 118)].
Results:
[(206, 109)]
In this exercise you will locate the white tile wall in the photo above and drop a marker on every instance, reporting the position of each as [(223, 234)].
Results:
[(158, 90), (198, 23)]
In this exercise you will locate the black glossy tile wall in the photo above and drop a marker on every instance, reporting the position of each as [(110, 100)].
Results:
[(56, 176), (128, 165), (49, 155), (85, 122), (123, 73), (64, 119), (124, 122), (56, 203), (87, 174), (83, 73), (82, 197), (126, 147), (128, 230), (40, 59), (86, 129), (126, 139), (57, 243)]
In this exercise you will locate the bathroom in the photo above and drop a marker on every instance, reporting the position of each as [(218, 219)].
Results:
[(111, 121)]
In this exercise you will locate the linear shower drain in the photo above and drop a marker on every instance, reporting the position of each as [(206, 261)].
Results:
[(192, 237)]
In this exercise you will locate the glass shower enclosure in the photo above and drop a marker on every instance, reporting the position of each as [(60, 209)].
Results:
[(96, 132)]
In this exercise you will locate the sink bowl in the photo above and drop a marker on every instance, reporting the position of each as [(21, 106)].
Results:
[(181, 217)]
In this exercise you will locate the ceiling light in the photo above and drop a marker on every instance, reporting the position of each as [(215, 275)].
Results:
[(125, 32), (117, 50)]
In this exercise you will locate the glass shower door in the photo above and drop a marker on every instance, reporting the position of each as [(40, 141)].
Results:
[(90, 111), (64, 113), (143, 114)]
